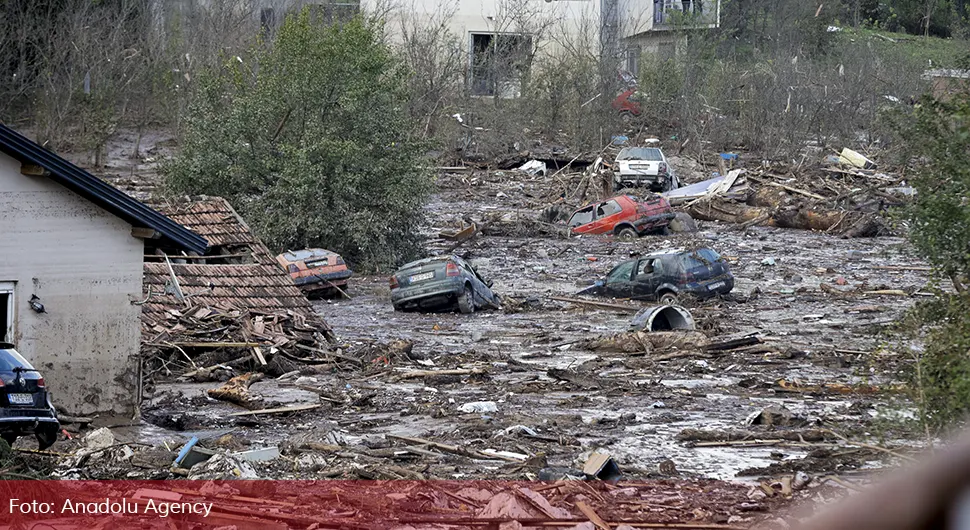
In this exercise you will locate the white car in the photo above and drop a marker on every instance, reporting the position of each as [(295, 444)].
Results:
[(645, 167)]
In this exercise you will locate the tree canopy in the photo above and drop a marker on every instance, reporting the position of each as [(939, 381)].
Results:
[(310, 139)]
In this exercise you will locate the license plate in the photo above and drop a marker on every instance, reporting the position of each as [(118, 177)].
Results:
[(422, 277), (715, 285), (21, 399)]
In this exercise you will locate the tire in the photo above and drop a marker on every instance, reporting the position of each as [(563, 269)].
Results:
[(668, 298), (466, 301), (627, 117), (9, 438), (627, 234), (45, 438)]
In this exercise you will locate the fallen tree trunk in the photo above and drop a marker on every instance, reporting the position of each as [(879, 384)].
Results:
[(645, 342), (797, 215)]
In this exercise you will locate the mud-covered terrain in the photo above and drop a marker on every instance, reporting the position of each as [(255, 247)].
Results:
[(820, 360)]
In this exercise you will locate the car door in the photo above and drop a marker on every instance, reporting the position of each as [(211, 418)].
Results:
[(619, 282), (610, 213), (483, 288), (646, 277), (598, 226)]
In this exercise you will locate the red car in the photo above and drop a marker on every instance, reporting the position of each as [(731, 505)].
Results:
[(627, 105), (624, 216)]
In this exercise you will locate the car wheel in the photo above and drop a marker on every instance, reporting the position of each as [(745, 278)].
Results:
[(627, 117), (466, 302), (668, 298), (9, 438), (627, 234)]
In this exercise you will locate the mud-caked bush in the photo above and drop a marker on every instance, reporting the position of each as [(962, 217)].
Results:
[(940, 378)]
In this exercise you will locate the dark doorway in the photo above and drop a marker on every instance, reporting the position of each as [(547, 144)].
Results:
[(6, 319)]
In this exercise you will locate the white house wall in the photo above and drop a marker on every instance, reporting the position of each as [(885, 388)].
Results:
[(86, 268), (556, 21)]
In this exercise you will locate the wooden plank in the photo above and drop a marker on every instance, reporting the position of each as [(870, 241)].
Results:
[(431, 373), (258, 355), (280, 410), (212, 344), (591, 303), (593, 516), (798, 191), (901, 268)]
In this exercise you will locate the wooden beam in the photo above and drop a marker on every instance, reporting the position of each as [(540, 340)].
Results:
[(280, 410), (144, 233), (33, 170)]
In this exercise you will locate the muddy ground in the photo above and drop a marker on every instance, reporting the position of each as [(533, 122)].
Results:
[(630, 406), (824, 359)]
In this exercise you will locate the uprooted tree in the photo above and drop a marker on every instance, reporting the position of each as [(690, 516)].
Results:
[(310, 139)]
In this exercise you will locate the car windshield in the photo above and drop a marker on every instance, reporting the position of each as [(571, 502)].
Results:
[(651, 154), (709, 255), (581, 217), (621, 272), (10, 359)]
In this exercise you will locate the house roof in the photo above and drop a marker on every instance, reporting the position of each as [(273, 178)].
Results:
[(262, 286), (215, 219), (253, 287), (99, 192)]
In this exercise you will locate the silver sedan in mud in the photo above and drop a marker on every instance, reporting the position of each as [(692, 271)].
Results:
[(440, 284)]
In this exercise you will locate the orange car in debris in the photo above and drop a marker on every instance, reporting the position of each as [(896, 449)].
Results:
[(316, 271)]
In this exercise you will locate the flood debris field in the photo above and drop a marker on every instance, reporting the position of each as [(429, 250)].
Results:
[(528, 391), (772, 396)]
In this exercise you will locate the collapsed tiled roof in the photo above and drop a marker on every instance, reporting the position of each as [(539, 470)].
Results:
[(256, 287), (260, 286), (215, 219)]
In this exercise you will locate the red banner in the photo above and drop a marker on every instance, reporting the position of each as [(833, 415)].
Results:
[(268, 504)]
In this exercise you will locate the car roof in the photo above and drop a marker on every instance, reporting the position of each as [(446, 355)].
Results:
[(426, 261), (640, 147), (666, 252), (594, 203), (308, 253)]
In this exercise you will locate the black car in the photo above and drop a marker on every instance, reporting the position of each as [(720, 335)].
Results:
[(25, 407), (667, 274)]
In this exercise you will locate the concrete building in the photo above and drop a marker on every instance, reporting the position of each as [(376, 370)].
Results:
[(76, 246)]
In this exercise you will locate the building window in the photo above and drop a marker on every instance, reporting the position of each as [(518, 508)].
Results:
[(267, 19), (499, 63), (7, 311), (666, 51), (334, 11), (633, 60)]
